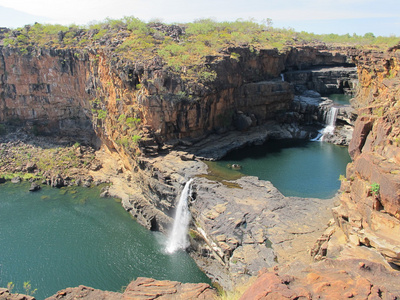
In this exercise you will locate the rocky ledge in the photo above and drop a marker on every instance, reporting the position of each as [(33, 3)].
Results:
[(141, 288), (247, 225), (330, 279)]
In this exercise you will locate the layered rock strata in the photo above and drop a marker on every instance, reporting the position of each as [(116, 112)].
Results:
[(64, 90), (336, 80), (369, 213), (45, 91)]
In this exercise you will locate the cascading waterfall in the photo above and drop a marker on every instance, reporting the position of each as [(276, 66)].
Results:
[(178, 238), (330, 122)]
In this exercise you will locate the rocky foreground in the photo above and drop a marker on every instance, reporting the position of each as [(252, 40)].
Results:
[(141, 288)]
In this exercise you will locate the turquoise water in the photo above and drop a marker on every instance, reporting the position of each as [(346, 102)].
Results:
[(340, 98), (58, 238), (296, 167)]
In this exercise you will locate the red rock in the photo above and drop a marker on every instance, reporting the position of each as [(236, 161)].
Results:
[(330, 279), (141, 288), (362, 128)]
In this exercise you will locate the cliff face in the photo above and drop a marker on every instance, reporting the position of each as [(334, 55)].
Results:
[(131, 105), (369, 213), (45, 90)]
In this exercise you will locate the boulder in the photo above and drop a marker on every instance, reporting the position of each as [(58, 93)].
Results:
[(34, 187), (362, 128), (16, 179), (242, 122), (5, 294), (104, 192), (57, 181), (30, 167)]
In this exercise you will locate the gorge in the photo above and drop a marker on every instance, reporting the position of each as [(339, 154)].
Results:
[(154, 127)]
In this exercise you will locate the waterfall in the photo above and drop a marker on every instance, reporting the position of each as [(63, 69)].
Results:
[(283, 77), (330, 122), (178, 238)]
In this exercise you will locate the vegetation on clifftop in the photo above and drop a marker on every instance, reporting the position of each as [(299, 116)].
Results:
[(182, 47)]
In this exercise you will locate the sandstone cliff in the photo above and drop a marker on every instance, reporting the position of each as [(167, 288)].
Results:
[(369, 213)]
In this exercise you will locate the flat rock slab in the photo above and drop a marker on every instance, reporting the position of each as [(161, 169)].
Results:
[(254, 226)]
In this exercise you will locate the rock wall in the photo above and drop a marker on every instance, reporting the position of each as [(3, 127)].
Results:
[(324, 80), (45, 90), (369, 213), (135, 107)]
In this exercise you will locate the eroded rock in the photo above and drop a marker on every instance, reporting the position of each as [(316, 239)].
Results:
[(141, 288), (330, 279)]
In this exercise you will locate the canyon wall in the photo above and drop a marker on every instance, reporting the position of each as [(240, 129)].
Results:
[(63, 90), (45, 90), (369, 213)]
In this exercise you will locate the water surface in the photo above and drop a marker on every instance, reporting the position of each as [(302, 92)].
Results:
[(340, 99), (296, 167), (58, 238)]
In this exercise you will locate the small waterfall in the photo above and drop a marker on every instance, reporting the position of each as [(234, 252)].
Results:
[(178, 238), (330, 122), (283, 77)]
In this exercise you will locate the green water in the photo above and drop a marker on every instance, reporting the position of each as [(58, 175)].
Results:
[(341, 99), (58, 238), (296, 167)]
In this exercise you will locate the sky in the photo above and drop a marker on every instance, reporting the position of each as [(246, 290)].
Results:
[(381, 17)]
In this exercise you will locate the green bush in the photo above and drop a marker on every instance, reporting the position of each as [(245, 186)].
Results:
[(375, 188), (101, 114), (136, 138)]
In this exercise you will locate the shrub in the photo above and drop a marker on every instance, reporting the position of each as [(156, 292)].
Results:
[(375, 188), (101, 114), (207, 76), (132, 122), (235, 56), (121, 118), (136, 138)]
